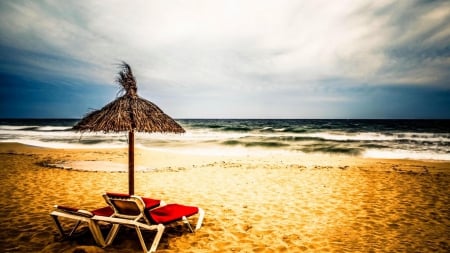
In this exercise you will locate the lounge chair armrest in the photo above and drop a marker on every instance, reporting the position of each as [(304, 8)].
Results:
[(73, 211)]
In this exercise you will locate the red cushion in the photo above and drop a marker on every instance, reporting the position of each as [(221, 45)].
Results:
[(171, 213), (76, 211), (151, 203), (104, 211), (67, 208)]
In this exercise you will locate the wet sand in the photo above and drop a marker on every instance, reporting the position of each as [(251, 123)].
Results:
[(274, 203)]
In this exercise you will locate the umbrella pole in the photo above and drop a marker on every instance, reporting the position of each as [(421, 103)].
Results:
[(131, 162)]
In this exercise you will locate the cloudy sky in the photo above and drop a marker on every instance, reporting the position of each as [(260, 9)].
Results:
[(228, 59)]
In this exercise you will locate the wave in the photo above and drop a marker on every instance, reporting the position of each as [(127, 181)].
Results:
[(405, 154), (268, 144), (297, 130), (11, 127), (330, 149), (54, 128), (380, 139), (212, 126), (273, 130), (361, 137), (236, 129), (30, 129)]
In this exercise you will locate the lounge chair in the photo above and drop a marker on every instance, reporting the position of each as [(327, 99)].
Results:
[(131, 211), (80, 215)]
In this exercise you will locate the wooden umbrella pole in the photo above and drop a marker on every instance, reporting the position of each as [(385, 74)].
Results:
[(131, 162)]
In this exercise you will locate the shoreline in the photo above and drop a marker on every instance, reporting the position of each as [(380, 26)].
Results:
[(162, 155), (276, 203)]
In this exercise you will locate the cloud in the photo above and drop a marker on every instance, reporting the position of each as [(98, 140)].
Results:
[(418, 52), (314, 50)]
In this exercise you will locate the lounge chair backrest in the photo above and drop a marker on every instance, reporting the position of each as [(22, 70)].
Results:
[(126, 206)]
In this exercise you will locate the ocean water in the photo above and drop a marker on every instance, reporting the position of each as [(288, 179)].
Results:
[(410, 139)]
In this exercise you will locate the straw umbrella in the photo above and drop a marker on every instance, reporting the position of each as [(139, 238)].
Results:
[(129, 113)]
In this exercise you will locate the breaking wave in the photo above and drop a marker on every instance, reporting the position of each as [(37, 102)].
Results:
[(411, 139)]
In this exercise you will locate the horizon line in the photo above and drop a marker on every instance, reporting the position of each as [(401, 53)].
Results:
[(238, 118)]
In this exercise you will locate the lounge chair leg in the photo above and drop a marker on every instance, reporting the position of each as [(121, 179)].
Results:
[(61, 229), (157, 238), (201, 215), (58, 225), (112, 234), (160, 230), (186, 221), (74, 228), (141, 239), (97, 233)]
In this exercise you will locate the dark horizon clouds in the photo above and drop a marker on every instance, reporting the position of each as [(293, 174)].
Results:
[(228, 59)]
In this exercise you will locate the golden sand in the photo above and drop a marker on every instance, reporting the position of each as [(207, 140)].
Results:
[(278, 203)]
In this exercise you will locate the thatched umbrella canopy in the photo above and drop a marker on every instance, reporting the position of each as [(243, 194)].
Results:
[(129, 113)]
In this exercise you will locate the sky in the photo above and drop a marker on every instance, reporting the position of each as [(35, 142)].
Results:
[(228, 58)]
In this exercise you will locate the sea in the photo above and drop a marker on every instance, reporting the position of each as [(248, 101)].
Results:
[(391, 139)]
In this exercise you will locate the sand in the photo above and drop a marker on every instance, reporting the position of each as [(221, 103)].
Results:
[(271, 203)]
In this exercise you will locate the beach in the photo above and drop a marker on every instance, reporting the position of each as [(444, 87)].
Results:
[(276, 202)]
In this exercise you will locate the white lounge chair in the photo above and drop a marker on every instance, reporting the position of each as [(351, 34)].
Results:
[(80, 215), (129, 210)]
